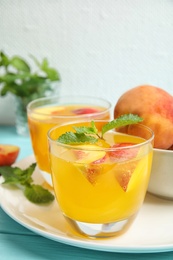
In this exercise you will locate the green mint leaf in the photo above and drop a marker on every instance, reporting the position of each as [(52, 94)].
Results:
[(20, 64), (8, 88), (76, 138), (94, 127), (86, 129), (25, 176), (123, 120), (45, 64), (9, 175), (17, 78), (22, 178), (15, 175), (12, 77), (4, 60), (52, 74), (37, 194), (85, 134)]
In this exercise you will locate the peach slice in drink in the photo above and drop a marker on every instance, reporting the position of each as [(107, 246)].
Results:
[(123, 173), (128, 173), (85, 110), (89, 153), (122, 155), (89, 161), (126, 163)]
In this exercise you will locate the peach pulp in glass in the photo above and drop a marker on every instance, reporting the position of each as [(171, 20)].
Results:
[(100, 187), (44, 113)]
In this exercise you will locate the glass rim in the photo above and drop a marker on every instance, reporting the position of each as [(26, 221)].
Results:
[(77, 146), (30, 104)]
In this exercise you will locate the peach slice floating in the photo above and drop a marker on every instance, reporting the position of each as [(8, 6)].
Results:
[(86, 110), (123, 154), (89, 154)]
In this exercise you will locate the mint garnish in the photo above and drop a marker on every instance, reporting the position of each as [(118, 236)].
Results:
[(87, 130), (23, 180), (76, 138), (37, 194), (17, 176), (123, 120), (90, 134)]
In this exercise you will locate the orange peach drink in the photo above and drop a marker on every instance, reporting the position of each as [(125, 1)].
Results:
[(103, 182), (41, 118)]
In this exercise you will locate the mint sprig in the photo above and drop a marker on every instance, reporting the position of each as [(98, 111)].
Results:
[(86, 129), (37, 194), (123, 120), (23, 180), (76, 138), (90, 134)]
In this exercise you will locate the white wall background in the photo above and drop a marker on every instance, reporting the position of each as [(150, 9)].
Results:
[(100, 47)]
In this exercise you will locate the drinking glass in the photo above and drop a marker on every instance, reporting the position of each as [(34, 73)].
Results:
[(100, 187), (44, 113)]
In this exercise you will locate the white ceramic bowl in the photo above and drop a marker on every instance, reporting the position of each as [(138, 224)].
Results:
[(161, 180)]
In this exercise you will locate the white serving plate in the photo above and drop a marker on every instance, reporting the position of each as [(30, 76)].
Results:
[(152, 231)]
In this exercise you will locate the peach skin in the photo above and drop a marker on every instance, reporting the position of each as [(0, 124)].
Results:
[(8, 154), (155, 106)]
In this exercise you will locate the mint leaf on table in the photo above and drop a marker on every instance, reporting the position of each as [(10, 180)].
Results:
[(23, 180), (90, 134), (15, 175), (37, 194)]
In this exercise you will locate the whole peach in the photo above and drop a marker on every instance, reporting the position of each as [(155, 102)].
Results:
[(155, 106)]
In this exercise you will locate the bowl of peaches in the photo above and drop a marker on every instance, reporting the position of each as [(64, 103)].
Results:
[(155, 106)]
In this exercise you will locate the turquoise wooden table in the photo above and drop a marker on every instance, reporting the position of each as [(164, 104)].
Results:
[(18, 242)]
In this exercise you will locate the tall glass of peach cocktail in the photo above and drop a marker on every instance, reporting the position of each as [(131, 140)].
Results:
[(44, 113), (101, 186)]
